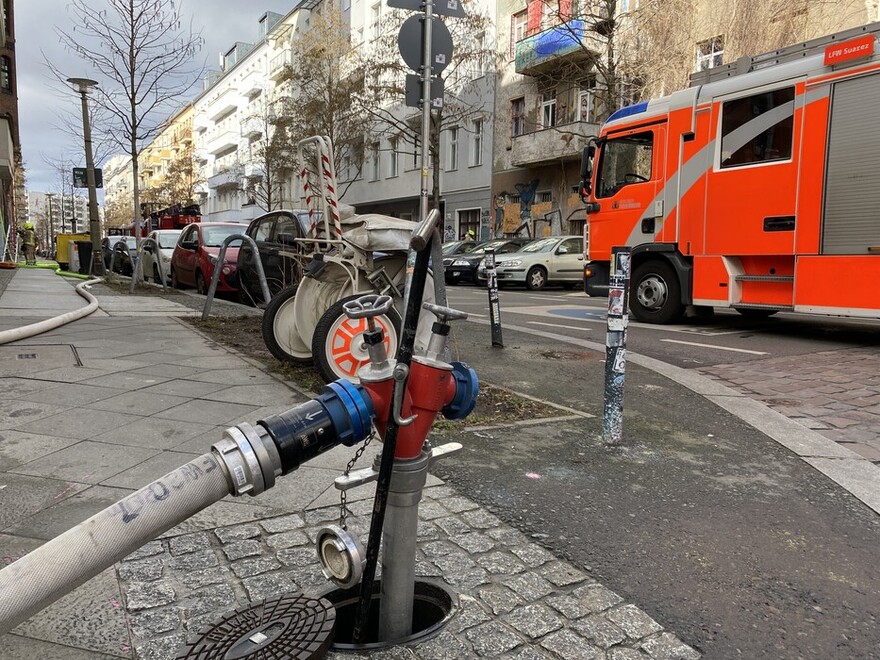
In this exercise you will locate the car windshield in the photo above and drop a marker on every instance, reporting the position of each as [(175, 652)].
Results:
[(167, 239), (213, 236), (458, 247), (130, 241), (542, 245), (481, 249)]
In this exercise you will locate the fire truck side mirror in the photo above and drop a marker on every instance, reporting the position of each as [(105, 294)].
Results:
[(587, 161)]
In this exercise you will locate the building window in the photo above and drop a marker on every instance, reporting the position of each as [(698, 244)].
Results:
[(393, 163), (549, 13), (710, 53), (374, 161), (375, 14), (628, 6), (544, 196), (468, 220), (758, 128), (548, 110), (588, 101), (453, 148), (518, 25), (5, 74), (517, 117), (477, 143)]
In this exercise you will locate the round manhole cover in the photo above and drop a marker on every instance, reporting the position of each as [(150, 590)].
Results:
[(294, 627)]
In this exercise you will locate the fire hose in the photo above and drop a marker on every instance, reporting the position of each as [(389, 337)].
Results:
[(246, 461)]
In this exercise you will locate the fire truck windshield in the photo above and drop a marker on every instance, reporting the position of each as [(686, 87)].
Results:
[(624, 161)]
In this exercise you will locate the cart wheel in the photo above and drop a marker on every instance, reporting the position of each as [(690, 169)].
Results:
[(338, 346), (279, 329)]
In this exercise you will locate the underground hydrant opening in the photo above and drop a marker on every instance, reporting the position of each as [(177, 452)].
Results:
[(433, 607)]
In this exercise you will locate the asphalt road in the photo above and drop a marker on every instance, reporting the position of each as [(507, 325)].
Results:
[(723, 338), (719, 533)]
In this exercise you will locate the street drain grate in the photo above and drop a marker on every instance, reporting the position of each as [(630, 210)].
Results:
[(17, 360)]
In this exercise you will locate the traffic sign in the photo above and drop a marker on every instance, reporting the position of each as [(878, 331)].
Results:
[(410, 43), (80, 178), (413, 92)]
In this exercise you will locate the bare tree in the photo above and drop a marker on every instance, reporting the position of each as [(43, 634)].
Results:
[(272, 152), (324, 78), (468, 90), (63, 166), (142, 55)]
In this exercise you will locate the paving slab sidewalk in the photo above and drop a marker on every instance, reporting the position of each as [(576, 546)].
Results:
[(131, 395)]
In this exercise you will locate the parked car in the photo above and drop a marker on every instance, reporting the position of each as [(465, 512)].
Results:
[(274, 234), (553, 260), (196, 253), (166, 239), (463, 267), (458, 247), (122, 251)]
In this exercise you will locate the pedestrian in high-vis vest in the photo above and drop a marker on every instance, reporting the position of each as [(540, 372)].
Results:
[(29, 242)]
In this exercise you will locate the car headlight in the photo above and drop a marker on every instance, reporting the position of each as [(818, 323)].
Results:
[(512, 262), (212, 259), (461, 262)]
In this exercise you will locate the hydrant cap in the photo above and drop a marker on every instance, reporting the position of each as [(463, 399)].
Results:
[(467, 386)]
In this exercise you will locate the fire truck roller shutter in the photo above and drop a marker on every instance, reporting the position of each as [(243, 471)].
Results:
[(852, 196)]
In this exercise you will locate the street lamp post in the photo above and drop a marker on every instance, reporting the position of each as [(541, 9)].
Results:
[(82, 86)]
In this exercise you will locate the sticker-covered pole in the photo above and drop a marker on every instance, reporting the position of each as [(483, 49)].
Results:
[(615, 346), (494, 303)]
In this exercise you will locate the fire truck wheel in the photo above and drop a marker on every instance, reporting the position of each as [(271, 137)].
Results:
[(338, 346), (279, 330), (536, 278), (655, 294)]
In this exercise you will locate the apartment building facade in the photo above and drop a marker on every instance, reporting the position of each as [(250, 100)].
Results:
[(230, 119), (11, 188)]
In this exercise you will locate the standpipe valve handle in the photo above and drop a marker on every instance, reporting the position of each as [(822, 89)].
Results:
[(368, 307)]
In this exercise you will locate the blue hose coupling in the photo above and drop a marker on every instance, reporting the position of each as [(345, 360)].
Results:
[(467, 386), (342, 414)]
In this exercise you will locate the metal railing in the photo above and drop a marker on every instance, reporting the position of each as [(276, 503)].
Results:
[(221, 259)]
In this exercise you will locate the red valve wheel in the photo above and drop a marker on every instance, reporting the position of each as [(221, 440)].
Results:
[(338, 347)]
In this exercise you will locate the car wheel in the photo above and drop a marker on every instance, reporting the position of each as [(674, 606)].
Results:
[(201, 287), (536, 278), (338, 346), (655, 294), (156, 278), (278, 322)]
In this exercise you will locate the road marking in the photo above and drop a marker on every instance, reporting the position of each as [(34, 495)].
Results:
[(720, 348), (556, 325)]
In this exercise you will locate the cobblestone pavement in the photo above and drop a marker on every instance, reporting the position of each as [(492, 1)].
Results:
[(836, 393), (516, 600)]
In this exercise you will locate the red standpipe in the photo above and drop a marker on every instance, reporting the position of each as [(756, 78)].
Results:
[(429, 390)]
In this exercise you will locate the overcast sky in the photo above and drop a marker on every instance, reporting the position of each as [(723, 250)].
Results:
[(40, 102)]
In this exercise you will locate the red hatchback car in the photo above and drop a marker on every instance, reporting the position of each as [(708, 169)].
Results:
[(196, 253)]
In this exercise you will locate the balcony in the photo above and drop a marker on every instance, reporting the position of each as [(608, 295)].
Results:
[(564, 142), (225, 179), (221, 141), (546, 50), (279, 64)]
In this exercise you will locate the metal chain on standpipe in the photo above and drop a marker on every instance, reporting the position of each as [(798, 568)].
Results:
[(422, 237), (343, 497)]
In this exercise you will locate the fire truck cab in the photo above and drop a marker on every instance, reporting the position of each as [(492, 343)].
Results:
[(757, 188)]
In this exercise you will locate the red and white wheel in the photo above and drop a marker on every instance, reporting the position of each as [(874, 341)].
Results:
[(338, 347)]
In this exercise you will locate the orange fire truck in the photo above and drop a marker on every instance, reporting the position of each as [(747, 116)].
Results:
[(757, 188)]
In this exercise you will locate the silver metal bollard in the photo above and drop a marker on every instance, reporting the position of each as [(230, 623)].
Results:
[(221, 259)]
